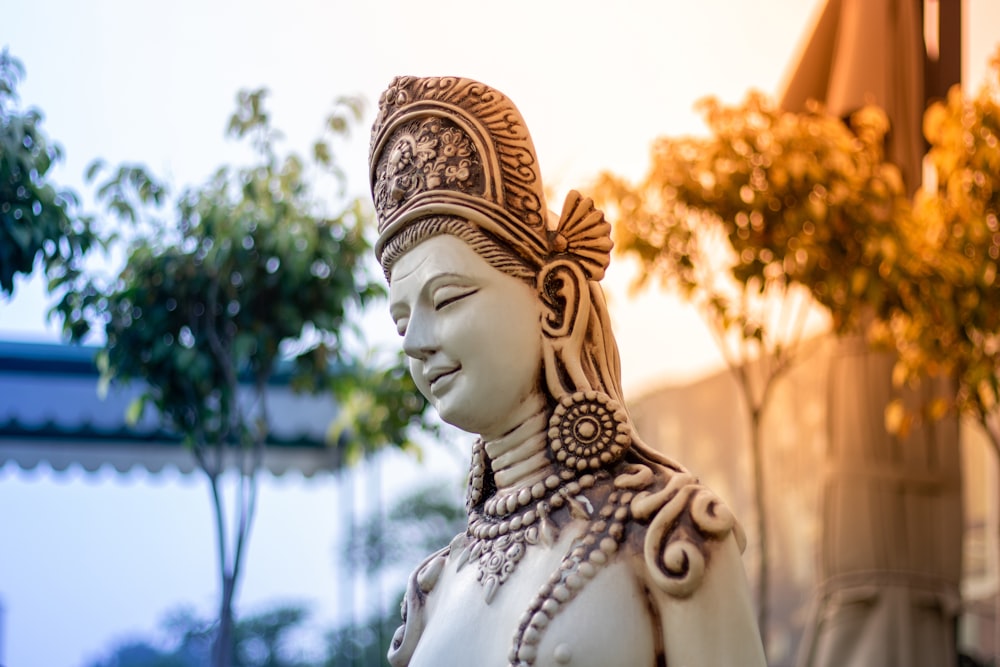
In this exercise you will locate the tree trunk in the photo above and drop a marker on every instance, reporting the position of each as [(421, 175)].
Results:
[(763, 582), (892, 525), (222, 650)]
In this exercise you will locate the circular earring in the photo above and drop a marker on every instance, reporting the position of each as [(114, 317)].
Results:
[(588, 431)]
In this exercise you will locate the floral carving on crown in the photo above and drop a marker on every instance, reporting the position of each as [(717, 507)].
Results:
[(430, 154), (505, 164)]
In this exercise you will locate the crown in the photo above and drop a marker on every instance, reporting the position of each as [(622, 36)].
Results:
[(454, 146)]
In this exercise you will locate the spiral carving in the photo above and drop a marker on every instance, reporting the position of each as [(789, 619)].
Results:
[(674, 549)]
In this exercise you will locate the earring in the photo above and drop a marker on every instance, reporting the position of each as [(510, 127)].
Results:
[(588, 431)]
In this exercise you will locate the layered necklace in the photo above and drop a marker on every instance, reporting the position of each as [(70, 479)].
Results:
[(584, 434), (547, 464), (498, 537)]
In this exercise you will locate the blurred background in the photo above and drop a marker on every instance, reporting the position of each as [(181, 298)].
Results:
[(104, 548)]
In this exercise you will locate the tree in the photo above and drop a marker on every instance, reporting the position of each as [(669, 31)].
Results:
[(255, 273), (418, 524), (772, 213), (39, 221), (949, 324), (264, 639)]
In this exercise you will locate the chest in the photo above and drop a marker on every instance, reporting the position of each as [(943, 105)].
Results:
[(604, 620)]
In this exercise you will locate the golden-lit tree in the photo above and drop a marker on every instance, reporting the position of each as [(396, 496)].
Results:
[(950, 321), (769, 215)]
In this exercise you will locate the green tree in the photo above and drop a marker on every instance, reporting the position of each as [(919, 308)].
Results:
[(39, 221), (361, 644), (263, 639), (770, 214), (415, 526), (255, 272)]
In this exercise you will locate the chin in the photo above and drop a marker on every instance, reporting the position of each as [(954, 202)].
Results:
[(459, 417), (458, 421)]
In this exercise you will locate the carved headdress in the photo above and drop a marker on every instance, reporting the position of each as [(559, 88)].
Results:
[(455, 147)]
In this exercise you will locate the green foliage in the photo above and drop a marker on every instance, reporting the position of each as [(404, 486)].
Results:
[(38, 220), (253, 263), (362, 644), (253, 272), (417, 524), (264, 639), (378, 406)]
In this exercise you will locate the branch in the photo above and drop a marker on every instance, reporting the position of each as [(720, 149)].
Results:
[(220, 524)]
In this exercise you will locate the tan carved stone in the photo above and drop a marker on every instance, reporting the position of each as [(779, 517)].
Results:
[(584, 546)]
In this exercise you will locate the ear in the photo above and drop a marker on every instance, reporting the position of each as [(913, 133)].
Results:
[(563, 290), (565, 296)]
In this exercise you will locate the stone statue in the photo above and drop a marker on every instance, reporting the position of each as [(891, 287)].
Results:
[(584, 546)]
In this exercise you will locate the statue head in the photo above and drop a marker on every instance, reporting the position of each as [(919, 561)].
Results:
[(458, 193)]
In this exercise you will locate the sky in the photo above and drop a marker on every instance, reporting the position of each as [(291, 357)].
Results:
[(87, 559)]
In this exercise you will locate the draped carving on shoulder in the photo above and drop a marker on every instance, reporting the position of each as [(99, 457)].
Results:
[(683, 517), (413, 607)]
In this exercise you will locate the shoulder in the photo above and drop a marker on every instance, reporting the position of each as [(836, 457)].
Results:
[(413, 608), (678, 523)]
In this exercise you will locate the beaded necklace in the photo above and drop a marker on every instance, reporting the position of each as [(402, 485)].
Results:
[(587, 433), (498, 536)]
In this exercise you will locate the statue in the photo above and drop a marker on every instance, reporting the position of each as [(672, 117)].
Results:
[(584, 546)]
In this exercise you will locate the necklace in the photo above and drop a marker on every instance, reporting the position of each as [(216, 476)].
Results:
[(499, 535), (585, 434), (586, 557)]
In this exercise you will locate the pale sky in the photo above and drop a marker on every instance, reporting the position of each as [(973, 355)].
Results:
[(86, 559)]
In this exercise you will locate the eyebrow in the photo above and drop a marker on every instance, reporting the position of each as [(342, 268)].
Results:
[(399, 309), (447, 275)]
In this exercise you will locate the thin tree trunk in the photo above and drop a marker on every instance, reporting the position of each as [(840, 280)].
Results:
[(222, 654), (222, 647), (763, 582), (229, 568)]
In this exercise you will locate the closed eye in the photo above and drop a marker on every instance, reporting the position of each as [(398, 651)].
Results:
[(447, 296)]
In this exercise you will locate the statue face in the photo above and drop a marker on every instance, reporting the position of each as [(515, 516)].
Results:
[(472, 333)]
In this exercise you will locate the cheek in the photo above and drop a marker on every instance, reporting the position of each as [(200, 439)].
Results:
[(416, 372), (515, 355)]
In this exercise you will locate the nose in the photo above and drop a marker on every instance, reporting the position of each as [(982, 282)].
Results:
[(419, 342)]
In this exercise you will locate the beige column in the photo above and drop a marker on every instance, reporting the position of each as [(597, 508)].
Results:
[(891, 545)]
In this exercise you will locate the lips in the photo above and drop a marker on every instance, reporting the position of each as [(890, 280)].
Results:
[(436, 374)]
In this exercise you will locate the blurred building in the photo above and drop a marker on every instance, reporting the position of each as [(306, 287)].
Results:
[(52, 410)]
